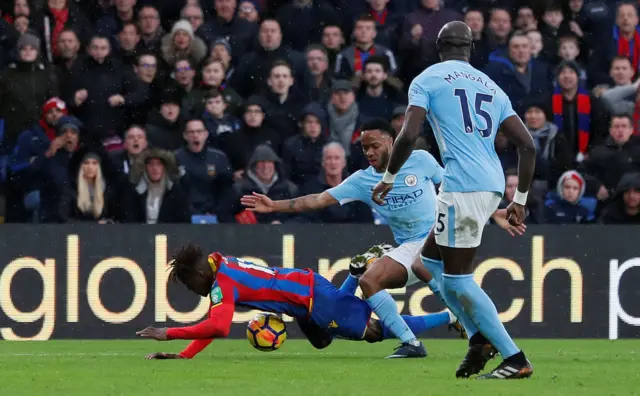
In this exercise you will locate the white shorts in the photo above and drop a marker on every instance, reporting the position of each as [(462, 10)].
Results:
[(406, 254), (462, 217)]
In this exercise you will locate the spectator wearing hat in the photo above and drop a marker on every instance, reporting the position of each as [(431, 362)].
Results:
[(517, 73), (568, 205), (318, 64), (158, 196), (264, 175), (53, 169), (102, 91), (302, 22), (33, 142), (625, 205), (377, 97), (343, 114), (618, 155), (165, 126), (221, 51), (182, 43), (552, 157), (24, 86), (571, 107), (110, 24), (254, 132), (397, 117), (302, 153), (205, 172), (228, 25), (250, 10)]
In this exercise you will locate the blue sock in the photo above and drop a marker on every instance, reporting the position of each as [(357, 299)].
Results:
[(385, 307), (420, 324), (481, 310), (436, 268), (350, 284)]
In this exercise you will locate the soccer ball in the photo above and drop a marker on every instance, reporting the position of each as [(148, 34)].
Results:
[(266, 332)]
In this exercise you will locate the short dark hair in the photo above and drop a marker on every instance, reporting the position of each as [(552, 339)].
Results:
[(139, 57), (99, 37), (377, 59), (135, 26), (317, 47), (184, 262), (184, 59), (621, 115), (281, 62), (510, 172), (622, 58), (212, 94), (366, 17), (379, 124)]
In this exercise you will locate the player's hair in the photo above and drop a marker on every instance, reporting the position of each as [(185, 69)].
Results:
[(184, 262), (379, 124)]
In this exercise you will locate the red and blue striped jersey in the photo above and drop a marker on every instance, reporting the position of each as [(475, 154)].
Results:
[(278, 290), (245, 284)]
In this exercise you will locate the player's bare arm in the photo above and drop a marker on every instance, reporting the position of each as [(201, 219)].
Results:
[(517, 133), (501, 217), (262, 204), (402, 148)]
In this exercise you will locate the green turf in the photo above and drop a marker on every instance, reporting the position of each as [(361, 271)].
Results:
[(562, 367)]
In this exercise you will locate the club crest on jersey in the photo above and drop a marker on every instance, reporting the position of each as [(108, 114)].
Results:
[(216, 295), (211, 170), (411, 180)]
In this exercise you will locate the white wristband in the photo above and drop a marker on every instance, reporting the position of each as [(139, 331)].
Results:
[(520, 197), (388, 178)]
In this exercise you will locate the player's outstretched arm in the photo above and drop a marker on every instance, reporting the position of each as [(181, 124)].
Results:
[(262, 204), (517, 133)]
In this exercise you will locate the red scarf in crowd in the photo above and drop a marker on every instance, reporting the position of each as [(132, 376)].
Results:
[(636, 119), (361, 57), (583, 103), (61, 17), (380, 17)]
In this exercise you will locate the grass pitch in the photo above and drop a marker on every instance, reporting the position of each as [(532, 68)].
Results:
[(232, 367)]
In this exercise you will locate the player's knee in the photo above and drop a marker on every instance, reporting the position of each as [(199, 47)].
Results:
[(369, 284)]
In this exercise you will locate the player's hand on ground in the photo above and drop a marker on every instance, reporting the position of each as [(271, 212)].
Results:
[(516, 214), (257, 203), (380, 192), (500, 217), (159, 334), (163, 356)]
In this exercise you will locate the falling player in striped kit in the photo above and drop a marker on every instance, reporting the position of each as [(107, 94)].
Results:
[(321, 310)]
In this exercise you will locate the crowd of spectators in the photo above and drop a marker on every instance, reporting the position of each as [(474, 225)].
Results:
[(168, 111)]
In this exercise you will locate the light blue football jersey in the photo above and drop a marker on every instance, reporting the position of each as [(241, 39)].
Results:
[(410, 207), (465, 109)]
